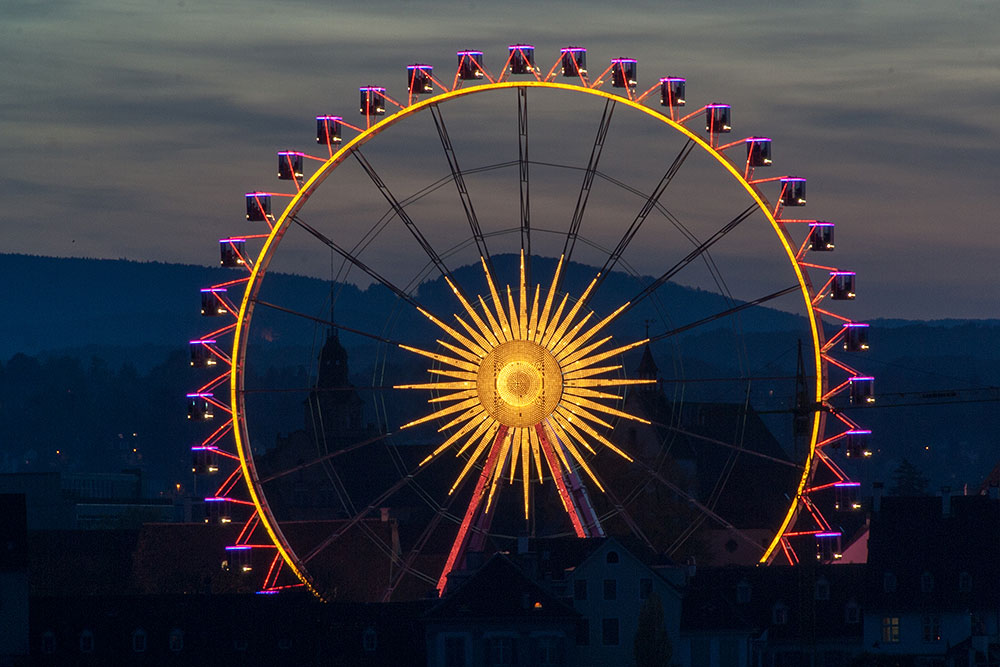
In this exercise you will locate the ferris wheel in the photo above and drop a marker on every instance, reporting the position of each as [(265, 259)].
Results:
[(558, 306)]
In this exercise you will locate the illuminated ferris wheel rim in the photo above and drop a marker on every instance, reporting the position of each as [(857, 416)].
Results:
[(299, 199)]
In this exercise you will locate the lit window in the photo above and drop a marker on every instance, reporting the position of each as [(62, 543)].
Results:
[(932, 628), (139, 641), (609, 632), (86, 642), (926, 582), (610, 589), (890, 629)]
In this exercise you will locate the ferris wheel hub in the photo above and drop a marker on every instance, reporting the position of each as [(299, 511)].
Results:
[(519, 383)]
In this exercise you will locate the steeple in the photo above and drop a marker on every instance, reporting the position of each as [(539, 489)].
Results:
[(647, 369)]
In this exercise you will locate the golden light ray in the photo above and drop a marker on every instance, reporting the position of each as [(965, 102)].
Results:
[(523, 387)]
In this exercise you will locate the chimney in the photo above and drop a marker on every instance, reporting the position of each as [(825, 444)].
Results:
[(877, 497), (946, 501)]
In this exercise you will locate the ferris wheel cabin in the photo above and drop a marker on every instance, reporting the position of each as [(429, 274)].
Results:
[(855, 337), (522, 59), (259, 206), (718, 118), (199, 408), (846, 496), (793, 191), (204, 460), (624, 72), (858, 446), (418, 79), (672, 91), (211, 303), (232, 252), (201, 354), (862, 390), (328, 130), (821, 236), (758, 151), (218, 510), (470, 65), (842, 285), (574, 61), (372, 100), (290, 165)]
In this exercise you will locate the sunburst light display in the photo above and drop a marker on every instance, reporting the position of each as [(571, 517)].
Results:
[(523, 392)]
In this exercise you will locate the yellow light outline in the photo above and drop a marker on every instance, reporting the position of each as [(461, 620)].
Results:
[(301, 197)]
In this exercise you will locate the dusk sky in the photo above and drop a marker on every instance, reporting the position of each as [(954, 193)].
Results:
[(132, 129)]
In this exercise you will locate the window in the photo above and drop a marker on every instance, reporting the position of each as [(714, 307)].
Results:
[(548, 651), (965, 582), (583, 632), (609, 632), (454, 652), (610, 589), (890, 629), (743, 592), (580, 589), (822, 591), (779, 614), (48, 642), (86, 642), (176, 640), (369, 640), (501, 651), (852, 613), (927, 583), (612, 557), (932, 628), (645, 588), (889, 582), (139, 641)]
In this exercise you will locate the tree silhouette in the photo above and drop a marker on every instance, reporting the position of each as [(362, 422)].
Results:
[(652, 644), (908, 480)]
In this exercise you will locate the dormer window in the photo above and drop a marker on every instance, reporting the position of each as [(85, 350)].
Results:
[(612, 557)]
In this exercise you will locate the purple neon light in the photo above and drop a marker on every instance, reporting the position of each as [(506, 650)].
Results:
[(371, 89), (861, 378), (232, 240), (843, 273), (858, 432), (855, 325), (214, 289), (267, 592), (520, 46), (469, 53), (216, 499), (843, 484), (420, 67), (722, 106), (624, 60), (257, 194), (671, 78), (790, 179), (238, 548), (329, 118), (819, 535), (209, 395), (295, 153), (820, 223), (753, 139), (573, 49), (203, 342), (203, 448)]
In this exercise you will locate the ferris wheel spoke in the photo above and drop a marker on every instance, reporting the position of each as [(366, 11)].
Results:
[(647, 208), (588, 179), (401, 212), (523, 171), (458, 178), (325, 457), (320, 320), (725, 313), (693, 255)]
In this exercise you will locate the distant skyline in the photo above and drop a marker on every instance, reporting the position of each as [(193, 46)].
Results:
[(132, 129)]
